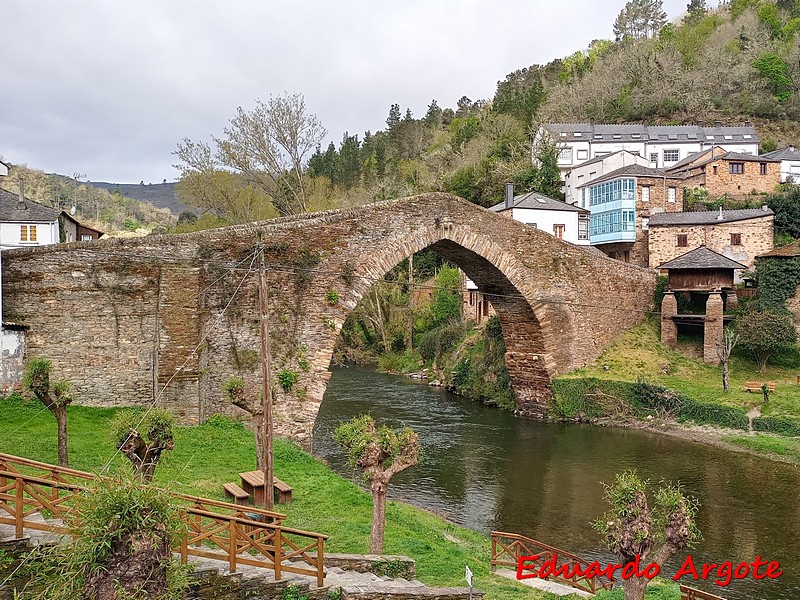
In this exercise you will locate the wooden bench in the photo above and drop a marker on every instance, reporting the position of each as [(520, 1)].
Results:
[(755, 386), (253, 483), (688, 593), (238, 494)]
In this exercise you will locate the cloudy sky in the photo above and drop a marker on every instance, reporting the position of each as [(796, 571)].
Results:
[(107, 88)]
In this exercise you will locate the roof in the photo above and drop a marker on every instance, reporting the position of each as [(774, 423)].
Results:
[(12, 211), (702, 258), (789, 251), (538, 201), (632, 132), (708, 217), (629, 171), (602, 157), (689, 162), (788, 153)]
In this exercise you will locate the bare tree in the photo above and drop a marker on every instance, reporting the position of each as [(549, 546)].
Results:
[(267, 146), (55, 396), (381, 453), (729, 340)]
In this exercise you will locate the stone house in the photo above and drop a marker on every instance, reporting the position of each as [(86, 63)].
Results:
[(661, 145), (740, 235), (728, 173), (622, 204), (790, 163), (564, 221), (593, 168)]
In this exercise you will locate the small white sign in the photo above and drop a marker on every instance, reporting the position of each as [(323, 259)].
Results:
[(469, 576)]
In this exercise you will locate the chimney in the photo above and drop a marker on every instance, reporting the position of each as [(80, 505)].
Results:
[(765, 208), (509, 194), (720, 216), (791, 147), (21, 201), (717, 124)]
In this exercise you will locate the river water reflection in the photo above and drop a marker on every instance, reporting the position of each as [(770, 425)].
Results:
[(486, 469)]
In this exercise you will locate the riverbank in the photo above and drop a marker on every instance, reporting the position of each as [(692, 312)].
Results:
[(209, 455)]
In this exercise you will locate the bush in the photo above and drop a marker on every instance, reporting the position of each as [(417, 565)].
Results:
[(398, 362), (287, 378), (780, 425)]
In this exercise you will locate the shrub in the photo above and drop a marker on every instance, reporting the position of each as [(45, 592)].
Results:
[(780, 425), (287, 378)]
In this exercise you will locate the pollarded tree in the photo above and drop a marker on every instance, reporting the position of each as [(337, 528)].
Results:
[(765, 331), (143, 437), (240, 395), (54, 395), (381, 452), (729, 340), (633, 531)]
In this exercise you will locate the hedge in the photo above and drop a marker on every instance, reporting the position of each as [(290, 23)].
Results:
[(595, 398), (780, 425)]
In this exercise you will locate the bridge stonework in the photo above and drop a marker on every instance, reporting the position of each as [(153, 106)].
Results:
[(138, 321)]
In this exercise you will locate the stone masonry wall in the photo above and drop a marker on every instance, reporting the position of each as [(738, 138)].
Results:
[(756, 236), (170, 319), (736, 184)]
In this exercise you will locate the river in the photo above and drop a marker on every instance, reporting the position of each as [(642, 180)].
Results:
[(487, 470)]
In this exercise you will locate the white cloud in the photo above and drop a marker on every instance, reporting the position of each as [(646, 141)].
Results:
[(109, 88)]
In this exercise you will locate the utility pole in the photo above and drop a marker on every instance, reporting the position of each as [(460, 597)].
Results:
[(410, 344), (266, 376)]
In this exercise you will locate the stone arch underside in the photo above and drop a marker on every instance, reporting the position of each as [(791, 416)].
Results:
[(130, 319)]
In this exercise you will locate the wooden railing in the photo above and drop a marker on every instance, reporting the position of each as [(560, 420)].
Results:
[(688, 593), (508, 548), (39, 496)]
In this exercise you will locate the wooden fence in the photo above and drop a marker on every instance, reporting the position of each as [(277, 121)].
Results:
[(508, 548), (38, 496)]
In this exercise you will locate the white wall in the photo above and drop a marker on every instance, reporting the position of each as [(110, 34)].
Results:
[(582, 175), (12, 356), (545, 219), (46, 233), (790, 169)]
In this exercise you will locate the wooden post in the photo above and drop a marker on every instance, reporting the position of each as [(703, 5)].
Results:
[(184, 537), (233, 546), (320, 562), (277, 541), (494, 553), (266, 376), (410, 344), (19, 507)]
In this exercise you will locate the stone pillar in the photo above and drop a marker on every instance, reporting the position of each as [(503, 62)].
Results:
[(712, 332), (669, 330), (731, 300)]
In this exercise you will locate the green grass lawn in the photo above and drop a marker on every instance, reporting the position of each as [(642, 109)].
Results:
[(639, 354), (209, 455)]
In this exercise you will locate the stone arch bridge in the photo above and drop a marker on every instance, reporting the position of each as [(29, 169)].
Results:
[(125, 319)]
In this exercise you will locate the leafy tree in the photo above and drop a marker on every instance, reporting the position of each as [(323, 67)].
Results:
[(187, 217), (775, 71), (268, 146), (381, 452), (464, 106), (520, 95), (640, 19), (695, 11), (143, 437), (349, 164), (394, 117), (433, 118), (120, 546), (633, 531), (56, 396), (446, 305), (547, 177), (765, 331)]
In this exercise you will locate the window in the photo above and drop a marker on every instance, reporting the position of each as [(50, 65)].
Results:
[(27, 233), (583, 229), (714, 169), (558, 231), (762, 168), (645, 223), (532, 225), (683, 241), (583, 154), (565, 155), (671, 194), (654, 157), (646, 193), (736, 168), (736, 239), (86, 237), (672, 155), (612, 191)]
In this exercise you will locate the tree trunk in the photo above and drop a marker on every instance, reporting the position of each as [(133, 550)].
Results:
[(378, 516), (725, 376), (635, 588), (258, 431), (60, 413)]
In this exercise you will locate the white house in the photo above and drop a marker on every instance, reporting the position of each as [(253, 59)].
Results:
[(661, 145), (564, 221), (790, 163), (596, 167), (3, 169), (25, 223)]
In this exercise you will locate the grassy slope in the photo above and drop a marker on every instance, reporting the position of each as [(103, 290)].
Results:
[(207, 456), (639, 353)]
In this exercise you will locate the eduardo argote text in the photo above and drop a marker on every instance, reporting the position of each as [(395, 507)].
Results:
[(722, 574)]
